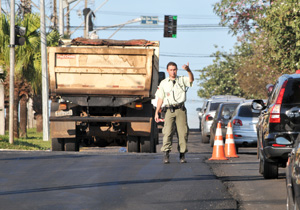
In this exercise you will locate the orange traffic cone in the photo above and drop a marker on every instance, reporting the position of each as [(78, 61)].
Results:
[(230, 150), (218, 150)]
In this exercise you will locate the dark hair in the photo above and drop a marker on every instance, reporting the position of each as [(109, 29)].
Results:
[(172, 64)]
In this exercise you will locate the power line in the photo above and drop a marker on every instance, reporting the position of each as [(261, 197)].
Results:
[(183, 27), (182, 16), (186, 55)]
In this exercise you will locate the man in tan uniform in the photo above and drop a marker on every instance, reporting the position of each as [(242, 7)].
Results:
[(172, 92)]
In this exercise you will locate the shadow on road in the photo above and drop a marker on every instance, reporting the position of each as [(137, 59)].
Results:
[(105, 184)]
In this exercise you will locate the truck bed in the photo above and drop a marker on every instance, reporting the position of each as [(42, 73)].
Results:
[(104, 70)]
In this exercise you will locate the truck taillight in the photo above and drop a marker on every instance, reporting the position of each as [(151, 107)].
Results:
[(139, 106), (62, 106), (275, 110), (237, 122)]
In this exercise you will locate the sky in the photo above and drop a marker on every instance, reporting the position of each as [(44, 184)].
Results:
[(193, 43)]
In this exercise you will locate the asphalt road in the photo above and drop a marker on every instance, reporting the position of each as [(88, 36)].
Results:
[(107, 178)]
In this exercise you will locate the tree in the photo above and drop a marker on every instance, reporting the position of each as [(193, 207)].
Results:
[(240, 16), (220, 77), (259, 57), (253, 73), (27, 60), (282, 34)]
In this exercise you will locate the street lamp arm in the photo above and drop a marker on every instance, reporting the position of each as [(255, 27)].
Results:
[(72, 8), (88, 15), (121, 24)]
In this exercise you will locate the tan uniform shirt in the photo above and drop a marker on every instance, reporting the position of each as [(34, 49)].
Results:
[(173, 93)]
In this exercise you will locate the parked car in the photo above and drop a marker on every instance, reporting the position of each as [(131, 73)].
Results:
[(244, 120), (200, 113), (209, 108), (280, 117), (222, 115), (293, 177)]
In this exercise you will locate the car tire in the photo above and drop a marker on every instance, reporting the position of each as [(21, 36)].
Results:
[(212, 139), (237, 149), (205, 139), (261, 166), (270, 170)]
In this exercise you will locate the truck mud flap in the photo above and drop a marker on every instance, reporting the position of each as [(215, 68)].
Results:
[(63, 129)]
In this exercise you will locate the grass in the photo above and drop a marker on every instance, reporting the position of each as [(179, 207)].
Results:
[(34, 141)]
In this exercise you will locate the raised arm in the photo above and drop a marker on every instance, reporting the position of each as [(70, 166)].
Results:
[(190, 73)]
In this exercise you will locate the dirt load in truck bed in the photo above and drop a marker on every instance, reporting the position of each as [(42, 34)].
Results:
[(111, 42)]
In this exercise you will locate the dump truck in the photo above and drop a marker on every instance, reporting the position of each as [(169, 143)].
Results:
[(101, 93)]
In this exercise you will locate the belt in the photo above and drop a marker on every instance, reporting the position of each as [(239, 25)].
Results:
[(175, 106)]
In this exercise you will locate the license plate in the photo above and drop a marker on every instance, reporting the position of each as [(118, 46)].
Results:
[(63, 113)]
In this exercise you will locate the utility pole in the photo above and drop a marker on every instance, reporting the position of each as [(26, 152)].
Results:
[(26, 7), (85, 25), (45, 94), (12, 71), (68, 19), (61, 18), (54, 18)]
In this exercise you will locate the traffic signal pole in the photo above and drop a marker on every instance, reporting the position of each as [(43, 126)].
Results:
[(12, 71), (45, 94)]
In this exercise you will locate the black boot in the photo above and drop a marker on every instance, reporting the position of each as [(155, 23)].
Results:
[(166, 157), (182, 158)]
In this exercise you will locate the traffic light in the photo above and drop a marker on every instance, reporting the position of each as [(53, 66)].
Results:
[(19, 35), (170, 26)]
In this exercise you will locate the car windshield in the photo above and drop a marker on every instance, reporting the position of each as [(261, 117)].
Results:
[(214, 106), (292, 92), (245, 111), (228, 109)]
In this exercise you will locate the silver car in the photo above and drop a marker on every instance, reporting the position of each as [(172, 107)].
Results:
[(244, 121), (209, 109)]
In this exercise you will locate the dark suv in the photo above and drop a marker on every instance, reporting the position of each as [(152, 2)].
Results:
[(278, 125)]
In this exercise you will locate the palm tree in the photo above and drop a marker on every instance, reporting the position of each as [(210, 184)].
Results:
[(27, 63)]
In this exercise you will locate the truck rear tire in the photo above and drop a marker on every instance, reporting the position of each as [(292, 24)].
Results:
[(147, 144), (71, 145), (133, 144), (57, 144)]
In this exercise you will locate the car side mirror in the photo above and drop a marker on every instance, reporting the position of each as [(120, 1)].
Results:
[(258, 105), (198, 109)]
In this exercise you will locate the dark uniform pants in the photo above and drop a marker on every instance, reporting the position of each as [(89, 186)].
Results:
[(179, 117)]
